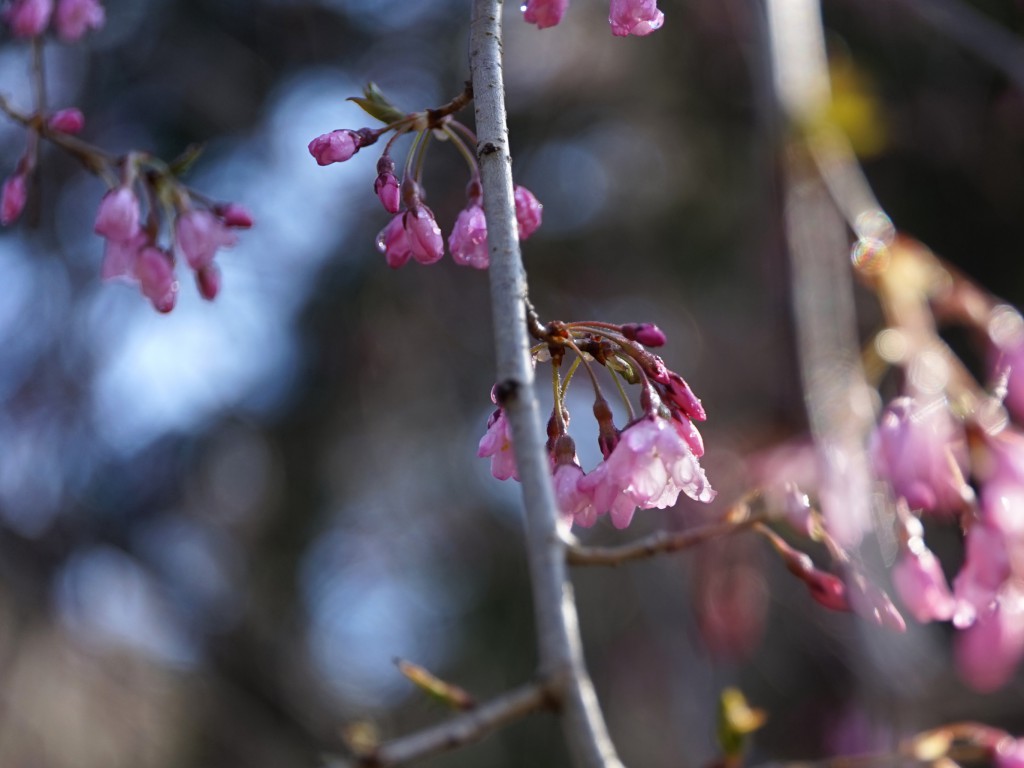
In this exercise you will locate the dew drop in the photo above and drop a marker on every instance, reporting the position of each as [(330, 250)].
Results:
[(870, 255)]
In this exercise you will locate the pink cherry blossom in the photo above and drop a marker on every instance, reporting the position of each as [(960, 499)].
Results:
[(986, 568), (575, 505), (118, 216), (528, 212), (678, 392), (648, 468), (155, 270), (634, 17), (76, 17), (468, 240), (335, 147), (1009, 753), (12, 198), (423, 234), (544, 13), (70, 121), (394, 243), (119, 257), (198, 234), (497, 443), (921, 450), (28, 18), (921, 585)]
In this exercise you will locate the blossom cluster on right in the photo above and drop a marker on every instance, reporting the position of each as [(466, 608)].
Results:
[(626, 17)]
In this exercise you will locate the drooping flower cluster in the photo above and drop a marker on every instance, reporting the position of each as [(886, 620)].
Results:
[(949, 453), (414, 233), (71, 19), (145, 200), (132, 253), (626, 17), (649, 461)]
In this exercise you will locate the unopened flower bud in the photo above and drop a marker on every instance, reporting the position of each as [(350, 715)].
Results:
[(647, 334), (118, 216), (394, 243), (468, 240), (208, 281), (28, 18), (335, 147), (528, 212), (76, 17), (199, 234), (634, 17), (388, 191), (921, 585), (70, 121), (155, 271), (424, 236), (544, 13), (234, 215), (12, 199)]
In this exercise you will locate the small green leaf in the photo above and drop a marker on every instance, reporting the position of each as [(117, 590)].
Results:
[(183, 162), (376, 104), (736, 720)]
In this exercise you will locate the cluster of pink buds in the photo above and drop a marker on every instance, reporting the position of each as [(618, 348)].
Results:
[(413, 233), (145, 197), (649, 461), (71, 19), (626, 17), (197, 231)]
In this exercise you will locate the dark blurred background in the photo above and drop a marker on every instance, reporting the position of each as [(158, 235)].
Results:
[(219, 527)]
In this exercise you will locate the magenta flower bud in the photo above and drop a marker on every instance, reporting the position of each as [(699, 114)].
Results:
[(921, 451), (1009, 753), (544, 13), (689, 433), (634, 17), (234, 215), (394, 243), (528, 212), (208, 282), (988, 652), (76, 17), (118, 216), (69, 121), (647, 334), (28, 18), (155, 271), (119, 258), (12, 199), (335, 147), (423, 234), (921, 585), (388, 191), (198, 234), (468, 240), (575, 505), (678, 392)]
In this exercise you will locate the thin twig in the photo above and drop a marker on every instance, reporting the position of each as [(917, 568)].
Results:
[(560, 647), (660, 542), (462, 730)]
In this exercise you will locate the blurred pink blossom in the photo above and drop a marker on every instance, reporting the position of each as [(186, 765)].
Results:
[(529, 212), (497, 443), (118, 215), (198, 234), (28, 18), (634, 17), (76, 17), (921, 585), (12, 198), (70, 121), (468, 240), (544, 13)]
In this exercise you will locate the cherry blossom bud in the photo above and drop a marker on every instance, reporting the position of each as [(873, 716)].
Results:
[(198, 234), (155, 271), (1009, 753), (634, 17), (118, 216), (12, 199), (388, 191), (468, 240), (335, 147), (423, 234), (575, 505), (234, 215), (871, 602), (544, 13), (76, 17), (528, 212), (987, 653), (678, 393), (208, 282), (28, 18), (119, 258), (394, 243), (497, 443), (70, 121), (647, 334), (921, 585)]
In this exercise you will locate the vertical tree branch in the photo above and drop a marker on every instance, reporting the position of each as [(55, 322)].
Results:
[(837, 397), (561, 655)]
